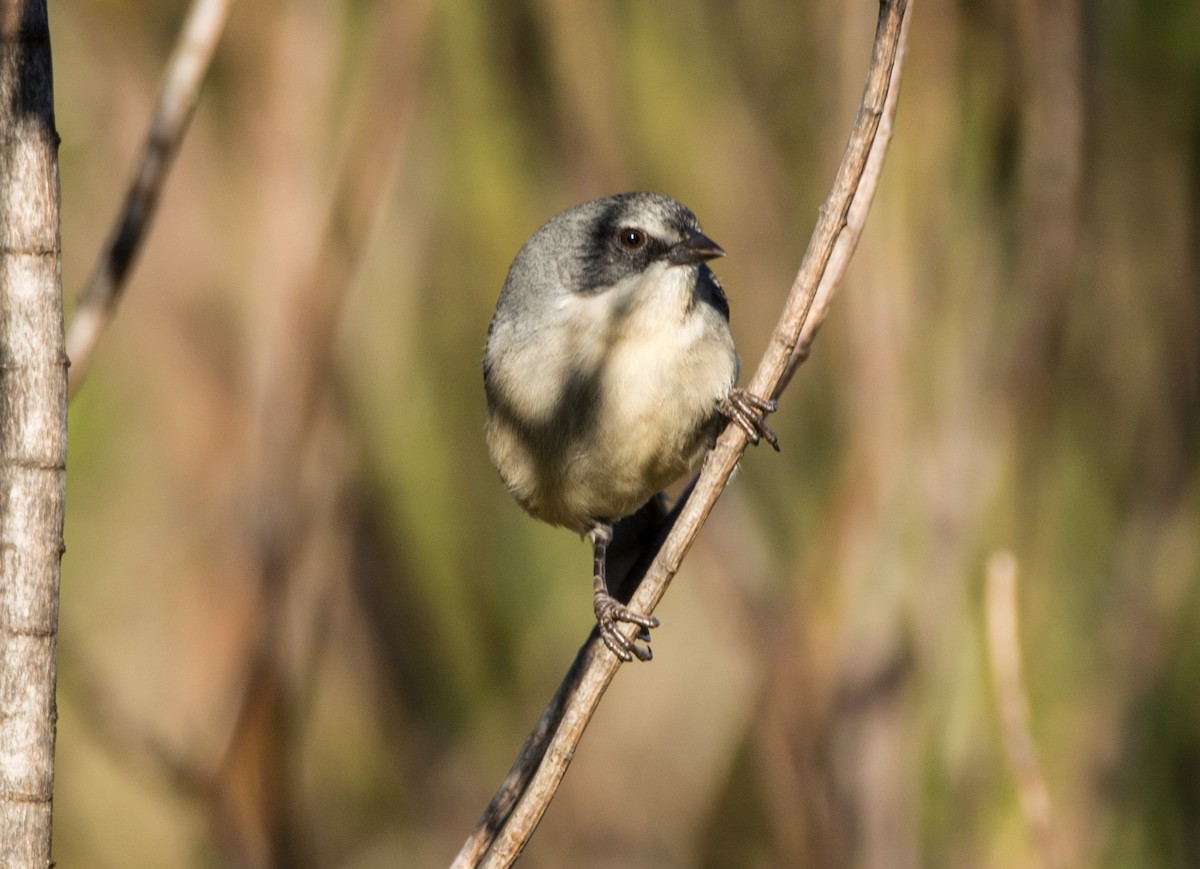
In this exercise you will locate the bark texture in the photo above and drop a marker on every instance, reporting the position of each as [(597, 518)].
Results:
[(33, 432)]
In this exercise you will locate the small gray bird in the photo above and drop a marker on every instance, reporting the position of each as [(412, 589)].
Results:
[(609, 372)]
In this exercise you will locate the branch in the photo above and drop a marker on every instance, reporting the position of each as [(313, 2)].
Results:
[(517, 807), (1005, 648), (861, 197), (177, 99), (33, 432)]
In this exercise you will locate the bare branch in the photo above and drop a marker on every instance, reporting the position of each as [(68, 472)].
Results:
[(33, 432), (517, 808), (1005, 647), (856, 218), (177, 99)]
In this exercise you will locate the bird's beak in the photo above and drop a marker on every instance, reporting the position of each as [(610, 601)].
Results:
[(695, 248)]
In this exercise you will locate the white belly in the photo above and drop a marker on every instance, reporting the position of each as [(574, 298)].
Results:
[(652, 374)]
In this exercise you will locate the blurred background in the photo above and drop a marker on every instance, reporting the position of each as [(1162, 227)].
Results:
[(302, 624)]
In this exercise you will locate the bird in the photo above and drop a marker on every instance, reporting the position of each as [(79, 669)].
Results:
[(609, 371)]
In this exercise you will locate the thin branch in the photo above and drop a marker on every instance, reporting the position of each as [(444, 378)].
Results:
[(1012, 701), (177, 99), (518, 806), (856, 218)]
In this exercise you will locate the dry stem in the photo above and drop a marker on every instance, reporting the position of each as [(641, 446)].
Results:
[(1005, 647), (176, 104), (33, 432)]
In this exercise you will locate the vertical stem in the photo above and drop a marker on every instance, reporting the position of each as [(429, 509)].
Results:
[(1013, 704), (33, 431)]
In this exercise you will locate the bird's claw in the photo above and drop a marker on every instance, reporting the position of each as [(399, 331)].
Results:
[(749, 412), (610, 612)]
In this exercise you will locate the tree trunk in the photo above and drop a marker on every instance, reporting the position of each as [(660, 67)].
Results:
[(33, 432)]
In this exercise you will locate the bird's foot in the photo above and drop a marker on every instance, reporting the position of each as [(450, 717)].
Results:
[(610, 612), (749, 412)]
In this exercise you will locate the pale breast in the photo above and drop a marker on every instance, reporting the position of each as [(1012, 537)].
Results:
[(667, 367), (616, 404)]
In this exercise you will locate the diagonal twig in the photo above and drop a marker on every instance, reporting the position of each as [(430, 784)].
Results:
[(846, 241), (517, 807), (177, 99)]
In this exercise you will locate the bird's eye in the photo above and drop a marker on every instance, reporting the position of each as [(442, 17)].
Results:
[(632, 238)]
